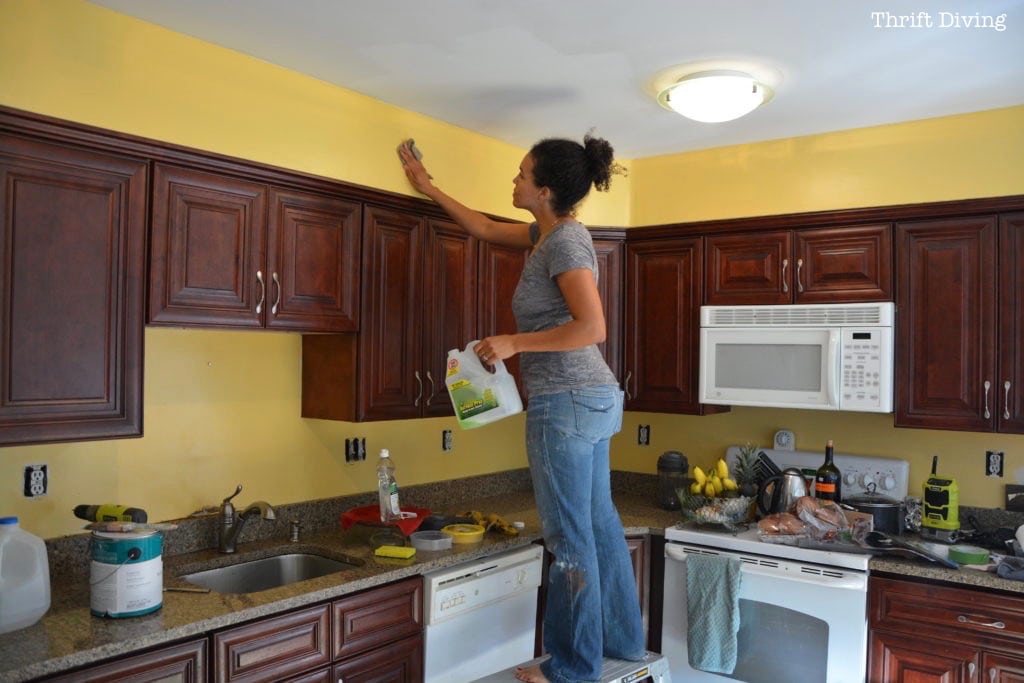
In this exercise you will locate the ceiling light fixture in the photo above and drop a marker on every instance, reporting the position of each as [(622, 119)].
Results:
[(715, 96)]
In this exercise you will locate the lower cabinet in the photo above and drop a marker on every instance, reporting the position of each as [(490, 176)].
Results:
[(375, 635), (924, 632)]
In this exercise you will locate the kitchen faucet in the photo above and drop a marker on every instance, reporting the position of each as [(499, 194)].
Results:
[(231, 524)]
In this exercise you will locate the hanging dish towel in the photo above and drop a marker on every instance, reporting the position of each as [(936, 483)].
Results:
[(713, 611)]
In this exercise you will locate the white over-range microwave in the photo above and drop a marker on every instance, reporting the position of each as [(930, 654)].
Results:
[(818, 356)]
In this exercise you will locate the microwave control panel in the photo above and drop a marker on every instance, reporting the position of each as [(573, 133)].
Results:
[(865, 381)]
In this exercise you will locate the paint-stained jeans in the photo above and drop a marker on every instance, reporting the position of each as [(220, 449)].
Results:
[(592, 605)]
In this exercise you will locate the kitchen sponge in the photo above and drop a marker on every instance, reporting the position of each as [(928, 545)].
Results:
[(399, 551)]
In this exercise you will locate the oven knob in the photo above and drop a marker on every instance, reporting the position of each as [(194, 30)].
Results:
[(866, 481), (889, 482), (850, 479)]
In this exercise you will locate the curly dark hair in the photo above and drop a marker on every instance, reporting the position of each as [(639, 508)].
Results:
[(568, 169)]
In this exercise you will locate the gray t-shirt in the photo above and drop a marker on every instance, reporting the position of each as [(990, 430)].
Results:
[(538, 304)]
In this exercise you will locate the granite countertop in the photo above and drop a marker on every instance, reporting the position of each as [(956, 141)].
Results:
[(68, 636)]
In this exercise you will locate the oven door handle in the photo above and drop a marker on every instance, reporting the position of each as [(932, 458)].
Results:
[(850, 581)]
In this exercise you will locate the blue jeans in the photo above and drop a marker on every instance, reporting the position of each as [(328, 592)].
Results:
[(592, 606)]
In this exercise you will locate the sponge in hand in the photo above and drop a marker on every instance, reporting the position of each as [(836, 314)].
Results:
[(399, 551)]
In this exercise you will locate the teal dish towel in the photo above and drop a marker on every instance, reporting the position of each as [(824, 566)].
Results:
[(713, 611)]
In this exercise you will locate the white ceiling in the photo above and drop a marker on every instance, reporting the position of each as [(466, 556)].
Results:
[(520, 70)]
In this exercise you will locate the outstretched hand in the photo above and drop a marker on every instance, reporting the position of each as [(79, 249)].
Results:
[(414, 169)]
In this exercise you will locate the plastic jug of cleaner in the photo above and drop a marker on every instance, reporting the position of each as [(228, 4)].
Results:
[(478, 395), (24, 577)]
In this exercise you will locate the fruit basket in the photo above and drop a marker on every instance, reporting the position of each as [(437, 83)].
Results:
[(731, 513)]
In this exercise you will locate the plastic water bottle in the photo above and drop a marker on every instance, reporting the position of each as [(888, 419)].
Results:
[(387, 488), (24, 577)]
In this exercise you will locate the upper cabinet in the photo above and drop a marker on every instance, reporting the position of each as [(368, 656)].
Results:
[(500, 269), (610, 287), (229, 252), (73, 261), (958, 357), (663, 294), (822, 265)]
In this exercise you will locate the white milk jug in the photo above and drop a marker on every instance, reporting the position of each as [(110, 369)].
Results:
[(478, 395), (24, 577)]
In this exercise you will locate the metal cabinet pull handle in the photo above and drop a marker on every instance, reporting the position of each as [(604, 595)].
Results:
[(625, 385), (970, 669), (990, 624), (263, 291), (988, 385), (785, 285), (1006, 400), (277, 301), (799, 284), (419, 382), (992, 674), (430, 394)]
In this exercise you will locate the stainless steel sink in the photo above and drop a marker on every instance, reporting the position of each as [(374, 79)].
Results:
[(266, 573)]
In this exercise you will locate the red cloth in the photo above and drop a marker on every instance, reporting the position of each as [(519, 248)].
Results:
[(370, 516)]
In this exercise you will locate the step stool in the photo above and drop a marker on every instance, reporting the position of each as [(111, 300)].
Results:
[(652, 666)]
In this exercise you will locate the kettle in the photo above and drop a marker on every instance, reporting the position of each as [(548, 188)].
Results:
[(783, 490)]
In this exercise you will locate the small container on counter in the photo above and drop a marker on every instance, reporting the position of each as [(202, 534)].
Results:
[(672, 470)]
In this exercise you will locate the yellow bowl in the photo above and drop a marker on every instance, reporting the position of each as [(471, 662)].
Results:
[(465, 533)]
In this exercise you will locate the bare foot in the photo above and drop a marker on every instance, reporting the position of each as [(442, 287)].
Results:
[(531, 674)]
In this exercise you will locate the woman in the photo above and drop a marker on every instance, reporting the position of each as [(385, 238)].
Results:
[(574, 403)]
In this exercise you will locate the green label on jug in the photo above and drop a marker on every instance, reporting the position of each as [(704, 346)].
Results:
[(469, 402)]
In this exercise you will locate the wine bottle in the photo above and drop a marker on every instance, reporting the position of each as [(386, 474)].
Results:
[(827, 480)]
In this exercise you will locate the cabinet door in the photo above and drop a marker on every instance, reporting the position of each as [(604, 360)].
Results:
[(500, 270), (183, 663), (946, 337), (663, 319), (1010, 381), (72, 298), (313, 259), (368, 620), (400, 662), (274, 648), (390, 341), (843, 264), (999, 668), (207, 255), (609, 286), (902, 658), (450, 287), (751, 268)]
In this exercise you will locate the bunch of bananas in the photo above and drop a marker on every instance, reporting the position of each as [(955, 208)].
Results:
[(715, 483), (491, 522)]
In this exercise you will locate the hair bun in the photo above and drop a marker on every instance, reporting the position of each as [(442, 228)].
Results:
[(600, 160)]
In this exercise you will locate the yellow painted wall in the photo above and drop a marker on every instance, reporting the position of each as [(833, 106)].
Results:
[(222, 408)]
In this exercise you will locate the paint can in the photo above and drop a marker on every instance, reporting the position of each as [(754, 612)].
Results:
[(126, 575)]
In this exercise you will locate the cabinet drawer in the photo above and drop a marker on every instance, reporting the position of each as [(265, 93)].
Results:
[(183, 663), (370, 619), (945, 612), (275, 648), (401, 662)]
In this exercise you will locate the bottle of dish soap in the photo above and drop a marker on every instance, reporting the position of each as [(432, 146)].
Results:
[(24, 577), (387, 488)]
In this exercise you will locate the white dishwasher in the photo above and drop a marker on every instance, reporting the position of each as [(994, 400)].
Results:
[(481, 616)]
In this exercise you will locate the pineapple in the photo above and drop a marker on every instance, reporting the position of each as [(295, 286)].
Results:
[(744, 472)]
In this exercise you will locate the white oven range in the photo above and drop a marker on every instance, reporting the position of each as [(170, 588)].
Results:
[(803, 611)]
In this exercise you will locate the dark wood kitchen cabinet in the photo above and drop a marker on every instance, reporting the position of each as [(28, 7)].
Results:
[(500, 270), (610, 286), (181, 663), (663, 296), (419, 301), (230, 252), (921, 632), (72, 298), (958, 356), (821, 265)]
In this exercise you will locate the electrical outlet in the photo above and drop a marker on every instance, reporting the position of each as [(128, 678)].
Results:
[(643, 435), (36, 481), (446, 440), (993, 463)]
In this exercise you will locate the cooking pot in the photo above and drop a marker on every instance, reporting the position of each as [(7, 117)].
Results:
[(887, 512), (782, 491)]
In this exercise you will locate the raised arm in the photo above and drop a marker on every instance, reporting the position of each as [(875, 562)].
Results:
[(475, 223)]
